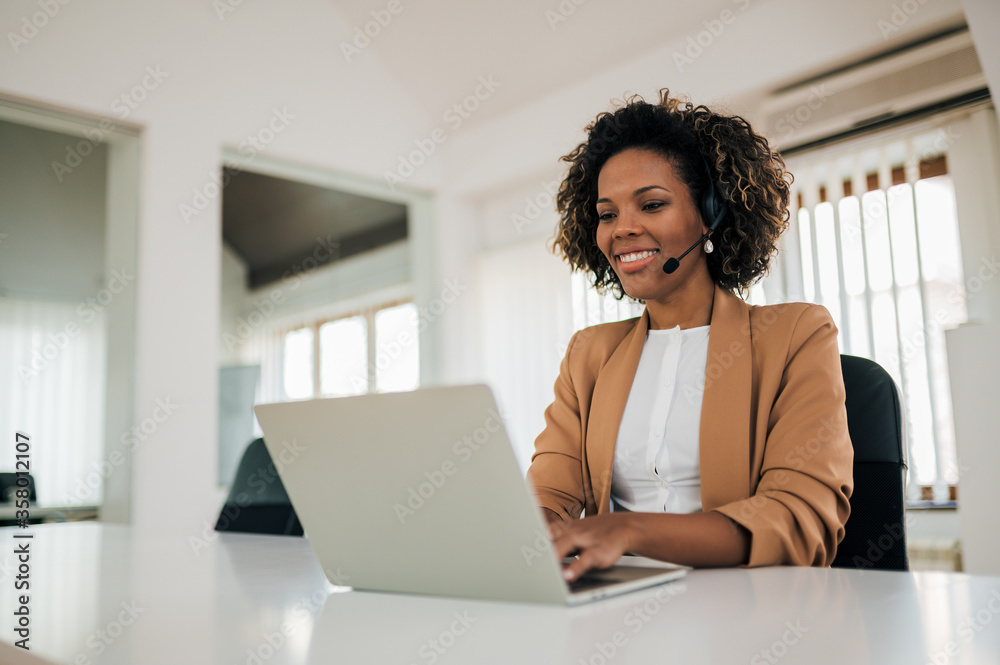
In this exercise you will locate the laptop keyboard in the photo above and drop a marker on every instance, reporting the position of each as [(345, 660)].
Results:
[(586, 582)]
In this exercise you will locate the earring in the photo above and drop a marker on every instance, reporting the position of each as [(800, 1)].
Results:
[(709, 247)]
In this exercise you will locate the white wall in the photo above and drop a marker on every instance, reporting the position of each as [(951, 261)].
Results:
[(973, 357), (975, 363)]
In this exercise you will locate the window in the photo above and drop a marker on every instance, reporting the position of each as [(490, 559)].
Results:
[(876, 231), (352, 355), (397, 359), (343, 357), (298, 364)]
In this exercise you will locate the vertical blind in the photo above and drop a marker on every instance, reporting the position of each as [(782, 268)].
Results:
[(874, 238)]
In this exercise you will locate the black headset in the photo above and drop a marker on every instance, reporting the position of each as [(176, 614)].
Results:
[(713, 206), (713, 211)]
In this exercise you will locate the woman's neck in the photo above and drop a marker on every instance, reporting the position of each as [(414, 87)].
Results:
[(689, 307)]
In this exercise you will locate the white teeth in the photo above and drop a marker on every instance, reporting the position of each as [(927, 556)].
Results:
[(636, 256)]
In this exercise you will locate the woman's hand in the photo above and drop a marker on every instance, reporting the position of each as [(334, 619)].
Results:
[(598, 542), (701, 540)]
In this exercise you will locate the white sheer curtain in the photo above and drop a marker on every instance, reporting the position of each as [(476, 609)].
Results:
[(52, 388), (526, 319), (265, 348)]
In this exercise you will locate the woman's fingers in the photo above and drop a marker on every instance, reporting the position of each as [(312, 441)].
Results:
[(598, 542), (578, 566)]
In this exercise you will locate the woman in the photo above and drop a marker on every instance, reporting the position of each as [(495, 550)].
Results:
[(706, 432)]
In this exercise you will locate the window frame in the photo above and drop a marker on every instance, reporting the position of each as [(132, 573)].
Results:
[(368, 314)]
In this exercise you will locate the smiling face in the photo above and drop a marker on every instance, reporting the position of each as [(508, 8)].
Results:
[(646, 216)]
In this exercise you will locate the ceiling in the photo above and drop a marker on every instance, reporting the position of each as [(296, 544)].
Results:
[(275, 224), (438, 51)]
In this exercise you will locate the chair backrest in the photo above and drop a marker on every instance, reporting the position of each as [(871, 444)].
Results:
[(9, 485), (257, 501), (875, 534)]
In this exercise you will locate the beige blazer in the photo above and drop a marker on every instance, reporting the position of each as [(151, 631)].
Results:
[(774, 449)]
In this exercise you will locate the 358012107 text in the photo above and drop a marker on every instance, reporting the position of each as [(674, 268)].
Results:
[(22, 548)]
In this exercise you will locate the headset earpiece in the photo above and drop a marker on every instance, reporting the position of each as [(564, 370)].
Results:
[(713, 208)]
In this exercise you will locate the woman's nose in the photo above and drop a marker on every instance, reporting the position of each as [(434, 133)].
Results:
[(626, 225)]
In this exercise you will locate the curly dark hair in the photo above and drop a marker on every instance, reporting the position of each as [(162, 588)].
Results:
[(748, 175)]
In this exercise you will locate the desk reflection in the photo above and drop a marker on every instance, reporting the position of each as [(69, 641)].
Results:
[(391, 628)]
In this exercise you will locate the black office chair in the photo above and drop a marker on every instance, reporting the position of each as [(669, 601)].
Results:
[(8, 485), (875, 534), (257, 501)]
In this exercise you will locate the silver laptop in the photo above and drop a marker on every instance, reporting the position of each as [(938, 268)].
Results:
[(420, 492)]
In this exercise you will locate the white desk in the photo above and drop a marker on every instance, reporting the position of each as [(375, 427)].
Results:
[(221, 604)]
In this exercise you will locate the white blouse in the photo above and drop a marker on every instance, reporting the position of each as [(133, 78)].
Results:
[(656, 465)]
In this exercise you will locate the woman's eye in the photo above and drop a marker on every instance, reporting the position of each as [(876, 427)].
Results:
[(653, 205), (605, 216)]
